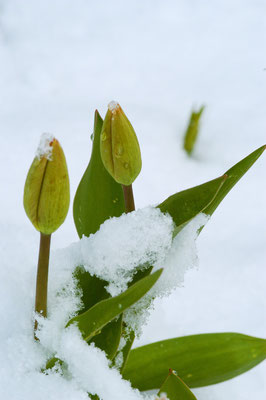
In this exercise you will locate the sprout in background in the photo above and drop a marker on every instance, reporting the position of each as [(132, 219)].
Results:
[(192, 130)]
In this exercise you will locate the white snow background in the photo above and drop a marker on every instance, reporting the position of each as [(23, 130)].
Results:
[(62, 59)]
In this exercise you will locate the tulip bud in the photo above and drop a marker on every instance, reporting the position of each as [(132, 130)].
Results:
[(119, 146), (46, 191)]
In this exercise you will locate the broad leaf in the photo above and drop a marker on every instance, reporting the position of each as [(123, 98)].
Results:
[(200, 360), (98, 196), (92, 321), (175, 389)]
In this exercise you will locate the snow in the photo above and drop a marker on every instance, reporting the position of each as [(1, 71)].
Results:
[(121, 247), (45, 147), (162, 396), (165, 58), (113, 106)]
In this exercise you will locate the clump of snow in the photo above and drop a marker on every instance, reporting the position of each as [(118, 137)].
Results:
[(121, 247), (181, 257), (162, 396), (125, 245), (119, 358), (113, 106), (45, 148), (64, 302), (97, 377)]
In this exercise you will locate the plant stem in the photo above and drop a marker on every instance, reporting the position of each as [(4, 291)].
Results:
[(42, 277), (129, 198)]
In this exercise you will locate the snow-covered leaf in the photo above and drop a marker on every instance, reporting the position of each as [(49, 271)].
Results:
[(92, 321)]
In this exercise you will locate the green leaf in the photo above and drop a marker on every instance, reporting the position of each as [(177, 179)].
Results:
[(92, 321), (98, 196), (92, 288), (175, 389), (200, 360), (185, 205), (234, 174), (192, 130), (109, 342)]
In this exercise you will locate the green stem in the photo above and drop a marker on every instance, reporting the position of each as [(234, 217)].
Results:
[(42, 277), (129, 198)]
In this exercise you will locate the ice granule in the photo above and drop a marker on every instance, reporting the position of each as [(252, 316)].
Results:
[(45, 149)]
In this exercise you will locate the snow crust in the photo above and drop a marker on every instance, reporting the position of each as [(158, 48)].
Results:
[(45, 148)]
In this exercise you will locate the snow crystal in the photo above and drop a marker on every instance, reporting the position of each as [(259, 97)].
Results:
[(45, 148)]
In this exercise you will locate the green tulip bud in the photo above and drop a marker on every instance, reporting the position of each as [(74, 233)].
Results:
[(46, 191), (119, 146)]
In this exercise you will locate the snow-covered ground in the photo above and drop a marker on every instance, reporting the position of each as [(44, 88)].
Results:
[(62, 59)]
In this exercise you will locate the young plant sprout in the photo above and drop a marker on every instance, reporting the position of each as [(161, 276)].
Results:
[(120, 151), (46, 202), (192, 131), (122, 262)]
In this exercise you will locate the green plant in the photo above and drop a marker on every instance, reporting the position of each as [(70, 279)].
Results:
[(192, 130), (200, 360)]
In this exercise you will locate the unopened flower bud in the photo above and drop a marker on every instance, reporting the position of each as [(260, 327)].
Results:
[(46, 191), (119, 146)]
